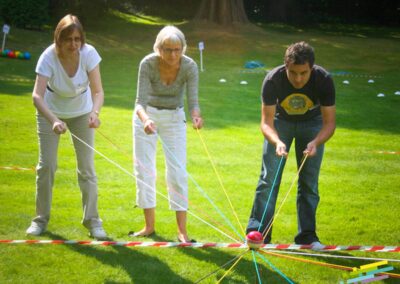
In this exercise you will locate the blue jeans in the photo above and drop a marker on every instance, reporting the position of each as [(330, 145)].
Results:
[(307, 188)]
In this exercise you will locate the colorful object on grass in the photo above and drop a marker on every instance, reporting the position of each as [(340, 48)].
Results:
[(254, 239), (253, 64), (367, 273), (15, 54)]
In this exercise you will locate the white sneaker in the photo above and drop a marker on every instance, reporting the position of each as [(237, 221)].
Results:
[(34, 230), (317, 246), (98, 233)]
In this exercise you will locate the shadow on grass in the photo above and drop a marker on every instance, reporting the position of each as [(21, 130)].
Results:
[(142, 268), (224, 260)]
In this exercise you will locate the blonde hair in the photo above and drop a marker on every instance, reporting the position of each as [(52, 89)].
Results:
[(171, 34), (65, 27)]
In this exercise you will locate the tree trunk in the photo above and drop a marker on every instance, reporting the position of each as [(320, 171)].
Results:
[(224, 12), (286, 11)]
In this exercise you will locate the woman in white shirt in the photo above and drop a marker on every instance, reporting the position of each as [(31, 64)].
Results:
[(68, 94)]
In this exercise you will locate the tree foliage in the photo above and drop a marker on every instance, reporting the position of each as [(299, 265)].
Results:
[(384, 12), (25, 14), (36, 13), (84, 9)]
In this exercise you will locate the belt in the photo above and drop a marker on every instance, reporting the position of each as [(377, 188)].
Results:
[(51, 90), (165, 108)]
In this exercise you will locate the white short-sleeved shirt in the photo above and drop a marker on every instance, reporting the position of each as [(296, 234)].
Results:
[(69, 96)]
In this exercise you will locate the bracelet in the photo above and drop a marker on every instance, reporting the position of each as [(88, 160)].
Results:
[(96, 112)]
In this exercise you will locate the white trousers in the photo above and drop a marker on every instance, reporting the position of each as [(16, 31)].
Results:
[(171, 128)]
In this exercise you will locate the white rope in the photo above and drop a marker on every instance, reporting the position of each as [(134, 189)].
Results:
[(337, 256), (130, 174)]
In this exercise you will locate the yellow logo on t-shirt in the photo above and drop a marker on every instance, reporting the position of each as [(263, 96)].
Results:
[(297, 104)]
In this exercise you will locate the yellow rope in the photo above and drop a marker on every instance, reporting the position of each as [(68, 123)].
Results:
[(233, 265), (308, 261), (393, 275), (287, 194), (220, 180)]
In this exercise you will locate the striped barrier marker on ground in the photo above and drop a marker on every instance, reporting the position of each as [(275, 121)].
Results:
[(206, 245)]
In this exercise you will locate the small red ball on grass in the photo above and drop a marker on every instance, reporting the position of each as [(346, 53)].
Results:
[(254, 239)]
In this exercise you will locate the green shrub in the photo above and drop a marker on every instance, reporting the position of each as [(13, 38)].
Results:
[(31, 14)]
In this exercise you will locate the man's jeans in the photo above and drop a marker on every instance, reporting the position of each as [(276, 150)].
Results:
[(307, 189)]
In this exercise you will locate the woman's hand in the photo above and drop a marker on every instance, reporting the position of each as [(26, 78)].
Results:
[(149, 126), (59, 127), (94, 121), (197, 122)]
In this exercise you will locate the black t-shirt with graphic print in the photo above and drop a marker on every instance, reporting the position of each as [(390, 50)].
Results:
[(298, 104)]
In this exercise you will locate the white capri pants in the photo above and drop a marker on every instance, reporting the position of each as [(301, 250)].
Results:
[(171, 127)]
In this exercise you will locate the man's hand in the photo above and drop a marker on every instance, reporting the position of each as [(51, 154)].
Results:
[(281, 149), (311, 149)]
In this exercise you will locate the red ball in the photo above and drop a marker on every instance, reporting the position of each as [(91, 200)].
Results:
[(254, 236), (254, 239)]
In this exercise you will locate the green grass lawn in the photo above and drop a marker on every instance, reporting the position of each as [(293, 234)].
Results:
[(359, 186)]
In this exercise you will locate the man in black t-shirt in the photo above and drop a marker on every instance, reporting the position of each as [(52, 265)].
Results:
[(298, 103)]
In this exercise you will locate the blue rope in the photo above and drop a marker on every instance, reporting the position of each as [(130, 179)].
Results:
[(270, 193), (255, 264), (202, 191), (275, 268)]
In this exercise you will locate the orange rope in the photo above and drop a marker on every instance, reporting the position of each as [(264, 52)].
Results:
[(341, 267)]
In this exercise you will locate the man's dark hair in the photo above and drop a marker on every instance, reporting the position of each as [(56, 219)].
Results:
[(299, 53)]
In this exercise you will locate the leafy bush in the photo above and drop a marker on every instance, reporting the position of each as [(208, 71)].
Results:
[(32, 14)]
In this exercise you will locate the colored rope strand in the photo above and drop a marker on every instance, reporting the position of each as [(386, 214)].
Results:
[(203, 192), (338, 256), (219, 268), (275, 268), (140, 164), (230, 269), (309, 261), (284, 199), (130, 174), (335, 266), (270, 193), (256, 266), (220, 180), (115, 146)]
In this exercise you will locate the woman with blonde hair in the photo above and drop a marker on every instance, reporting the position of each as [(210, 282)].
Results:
[(164, 78)]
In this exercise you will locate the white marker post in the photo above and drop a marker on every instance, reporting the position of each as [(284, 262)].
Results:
[(201, 47), (6, 30)]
